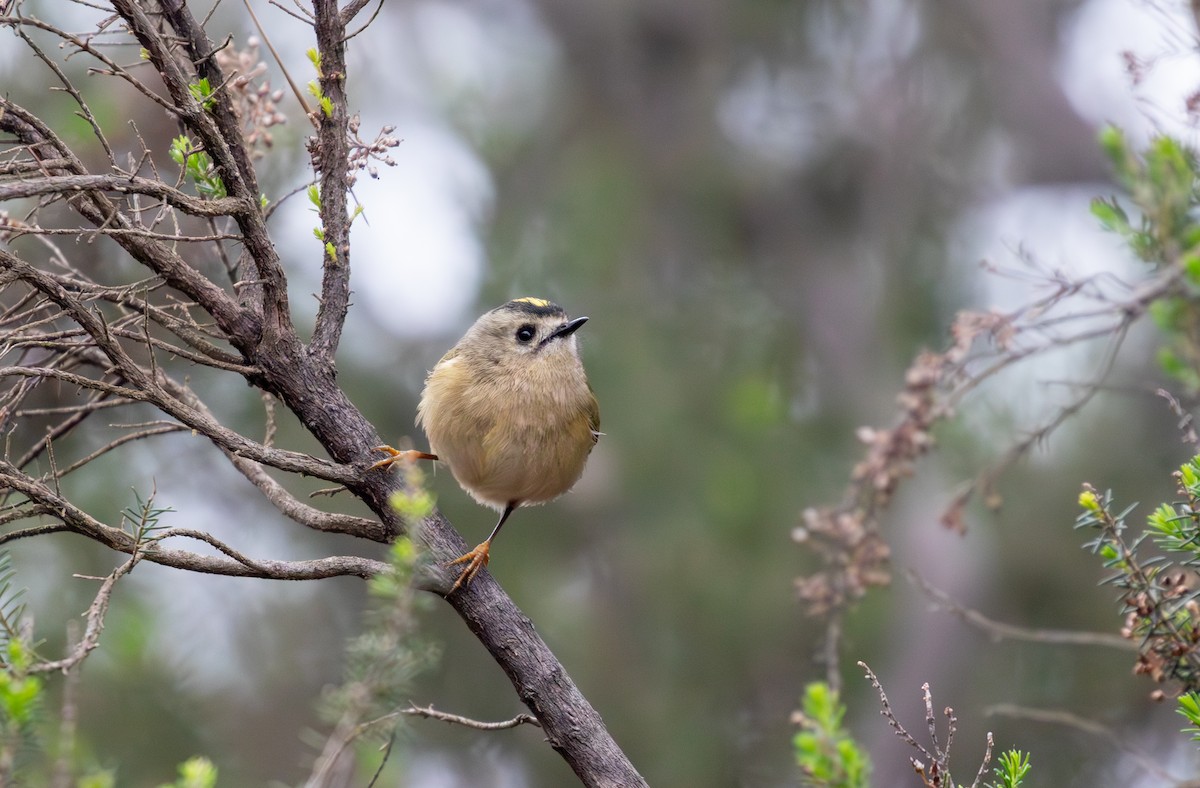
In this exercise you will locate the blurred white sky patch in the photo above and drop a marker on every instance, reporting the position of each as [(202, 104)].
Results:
[(432, 768), (1050, 227), (766, 114), (1132, 63), (418, 251), (777, 115), (488, 65)]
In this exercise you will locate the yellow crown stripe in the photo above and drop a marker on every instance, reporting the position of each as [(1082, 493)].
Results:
[(541, 302)]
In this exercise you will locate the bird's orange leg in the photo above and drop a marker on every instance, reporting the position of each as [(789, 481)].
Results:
[(395, 455), (477, 558)]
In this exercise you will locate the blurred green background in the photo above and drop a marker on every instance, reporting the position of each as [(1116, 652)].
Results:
[(767, 209)]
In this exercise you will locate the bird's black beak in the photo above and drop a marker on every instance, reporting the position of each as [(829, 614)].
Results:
[(567, 329)]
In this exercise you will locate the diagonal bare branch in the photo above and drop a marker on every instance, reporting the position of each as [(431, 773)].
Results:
[(95, 623), (124, 184), (231, 563)]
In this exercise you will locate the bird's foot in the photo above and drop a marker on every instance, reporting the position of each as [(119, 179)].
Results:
[(395, 455), (475, 560)]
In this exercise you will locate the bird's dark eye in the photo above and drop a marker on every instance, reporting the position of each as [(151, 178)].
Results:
[(526, 333)]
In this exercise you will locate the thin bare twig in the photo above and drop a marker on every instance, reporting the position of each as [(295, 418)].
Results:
[(987, 758), (999, 630), (95, 622), (121, 441), (1186, 424), (1087, 725), (299, 94), (429, 712), (890, 715), (932, 767)]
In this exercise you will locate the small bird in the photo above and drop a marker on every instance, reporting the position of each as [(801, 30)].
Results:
[(510, 411)]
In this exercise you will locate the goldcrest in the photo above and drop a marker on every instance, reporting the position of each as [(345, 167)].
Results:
[(510, 411)]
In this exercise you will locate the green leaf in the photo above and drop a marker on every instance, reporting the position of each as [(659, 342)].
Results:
[(1111, 215), (413, 505), (1188, 474), (825, 752), (195, 772), (1168, 313), (1170, 362), (1189, 707), (1012, 768), (1112, 142), (179, 148), (198, 167), (98, 779), (202, 92)]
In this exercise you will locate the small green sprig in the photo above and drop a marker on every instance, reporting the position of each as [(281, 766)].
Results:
[(202, 91), (12, 608), (1012, 767), (21, 700), (314, 57), (314, 197), (197, 772), (382, 661), (1189, 707), (825, 751), (143, 519), (1162, 183), (20, 693), (314, 86), (198, 167)]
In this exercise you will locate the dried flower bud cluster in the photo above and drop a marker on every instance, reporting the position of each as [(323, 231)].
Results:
[(1166, 631), (364, 155), (853, 551), (847, 536), (256, 104)]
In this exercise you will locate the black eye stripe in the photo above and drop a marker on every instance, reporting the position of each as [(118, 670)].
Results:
[(526, 332)]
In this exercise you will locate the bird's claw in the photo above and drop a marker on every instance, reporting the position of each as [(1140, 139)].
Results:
[(396, 455), (475, 560)]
